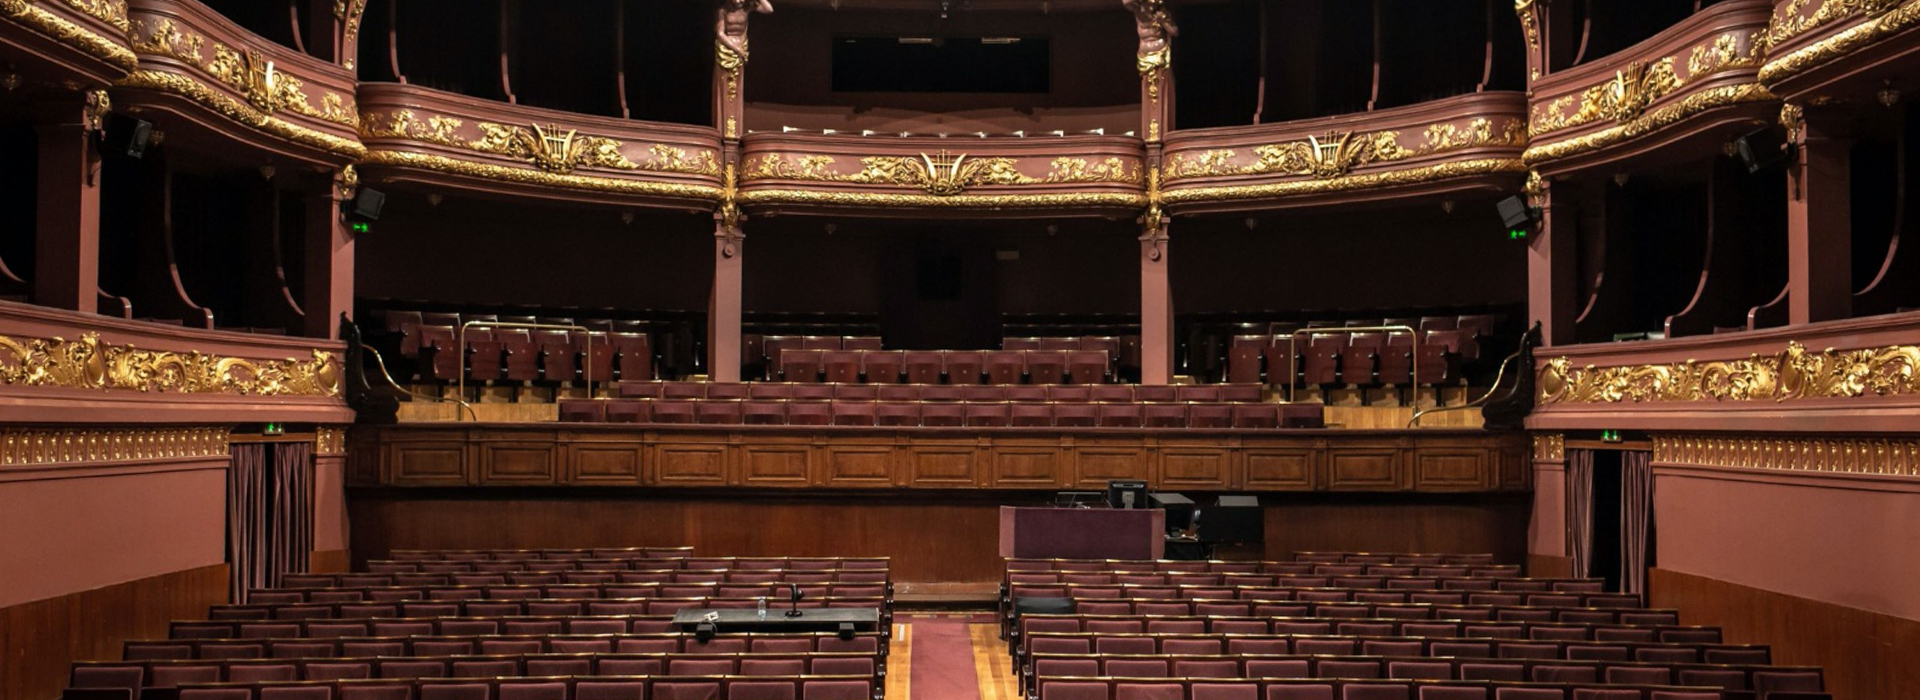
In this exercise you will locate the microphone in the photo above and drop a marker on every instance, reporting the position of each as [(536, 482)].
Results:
[(795, 594)]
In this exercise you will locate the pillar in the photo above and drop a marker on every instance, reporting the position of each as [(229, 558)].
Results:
[(328, 289), (723, 305), (66, 271), (1819, 222), (1552, 264), (1156, 306)]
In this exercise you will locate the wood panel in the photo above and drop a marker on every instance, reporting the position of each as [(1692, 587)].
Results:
[(858, 465), (784, 462), (688, 463), (39, 641), (942, 464), (1197, 464), (427, 463), (518, 462), (1363, 468), (1097, 460), (1495, 523), (1453, 469), (333, 561), (1278, 468), (1027, 463), (1549, 566), (1865, 654), (604, 463)]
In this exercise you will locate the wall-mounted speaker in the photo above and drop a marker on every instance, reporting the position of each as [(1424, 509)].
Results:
[(1761, 149), (366, 204), (126, 136)]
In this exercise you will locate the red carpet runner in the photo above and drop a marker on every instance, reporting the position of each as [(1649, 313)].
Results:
[(942, 659)]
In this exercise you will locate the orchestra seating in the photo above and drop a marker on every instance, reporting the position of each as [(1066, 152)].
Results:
[(1364, 626), (416, 626), (1211, 406)]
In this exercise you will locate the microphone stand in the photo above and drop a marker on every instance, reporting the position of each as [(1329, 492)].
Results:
[(795, 597)]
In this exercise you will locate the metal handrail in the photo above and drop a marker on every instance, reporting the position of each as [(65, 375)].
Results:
[(460, 342), (1476, 403), (381, 362), (1293, 349)]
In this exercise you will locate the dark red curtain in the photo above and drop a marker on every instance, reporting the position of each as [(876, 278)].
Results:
[(1580, 511), (292, 510), (247, 520), (1636, 518), (269, 514)]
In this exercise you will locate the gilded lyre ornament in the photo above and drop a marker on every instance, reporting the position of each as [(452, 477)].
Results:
[(549, 147), (941, 174)]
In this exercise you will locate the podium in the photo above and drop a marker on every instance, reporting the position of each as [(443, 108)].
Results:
[(1082, 533)]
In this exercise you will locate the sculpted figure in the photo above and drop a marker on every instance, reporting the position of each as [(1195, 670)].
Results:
[(732, 25), (1156, 30)]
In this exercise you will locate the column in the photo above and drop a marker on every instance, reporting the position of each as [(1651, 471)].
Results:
[(1552, 265), (1156, 304), (329, 256), (66, 270), (723, 305), (1819, 220)]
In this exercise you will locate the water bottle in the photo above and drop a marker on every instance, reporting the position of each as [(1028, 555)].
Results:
[(763, 607)]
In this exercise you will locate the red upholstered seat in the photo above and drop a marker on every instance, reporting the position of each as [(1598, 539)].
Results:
[(924, 367), (883, 367), (897, 413), (1005, 367), (987, 414)]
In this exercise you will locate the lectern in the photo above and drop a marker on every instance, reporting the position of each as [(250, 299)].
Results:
[(1082, 533)]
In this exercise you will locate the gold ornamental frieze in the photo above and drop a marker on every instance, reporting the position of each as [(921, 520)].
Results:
[(329, 440), (248, 72), (111, 48), (88, 363), (942, 173), (1626, 98), (24, 447), (549, 147), (1549, 447), (1794, 373), (1337, 154), (1874, 20), (1897, 456)]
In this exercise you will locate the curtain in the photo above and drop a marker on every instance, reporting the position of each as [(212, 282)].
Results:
[(247, 520), (1636, 518), (292, 510), (1580, 510)]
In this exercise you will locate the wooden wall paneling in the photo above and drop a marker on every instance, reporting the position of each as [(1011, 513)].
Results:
[(1516, 467), (943, 462), (333, 561), (690, 459), (1027, 462), (1284, 464), (1549, 566), (599, 459), (1199, 463), (1367, 465), (366, 456), (1099, 459), (518, 458), (1396, 522), (434, 460), (773, 461), (868, 461), (1454, 468), (1864, 654), (39, 641)]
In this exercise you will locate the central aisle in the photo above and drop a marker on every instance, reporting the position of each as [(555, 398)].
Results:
[(950, 657)]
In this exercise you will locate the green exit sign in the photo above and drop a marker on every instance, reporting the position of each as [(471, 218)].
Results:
[(1518, 234), (1610, 436), (360, 227), (274, 429)]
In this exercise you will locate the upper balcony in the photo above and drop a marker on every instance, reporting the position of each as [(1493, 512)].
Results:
[(1465, 144), (1839, 47), (1695, 82), (445, 140), (83, 41), (974, 176), (227, 84)]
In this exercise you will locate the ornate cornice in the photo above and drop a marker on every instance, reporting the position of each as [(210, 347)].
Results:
[(110, 49), (1664, 116), (49, 446), (1846, 455), (530, 176), (960, 201), (1880, 20), (1371, 180), (1793, 374), (1549, 447), (87, 363)]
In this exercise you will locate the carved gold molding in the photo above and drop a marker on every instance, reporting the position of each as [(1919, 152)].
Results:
[(1626, 96), (1847, 455), (89, 364), (329, 440), (942, 174), (1389, 178), (1341, 153), (963, 201), (1529, 13), (63, 30), (41, 446), (527, 176), (1790, 21), (1795, 373), (1660, 118), (246, 71), (350, 13), (1549, 447), (1888, 22), (549, 148), (241, 112)]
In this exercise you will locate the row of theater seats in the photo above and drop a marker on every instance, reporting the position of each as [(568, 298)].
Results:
[(431, 348), (1451, 344), (470, 654), (906, 414), (1356, 634), (962, 367), (935, 393)]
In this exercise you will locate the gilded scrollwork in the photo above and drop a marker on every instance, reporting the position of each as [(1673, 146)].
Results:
[(551, 148), (1337, 154), (1794, 373), (1529, 14), (87, 363), (1661, 117), (164, 38), (1881, 18), (111, 49), (1622, 99), (939, 174), (329, 440), (1791, 20), (1400, 177), (241, 111), (1893, 456), (244, 71), (1549, 447), (113, 12), (28, 447), (540, 178), (673, 159)]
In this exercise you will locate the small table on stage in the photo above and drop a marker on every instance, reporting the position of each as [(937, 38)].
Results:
[(749, 620)]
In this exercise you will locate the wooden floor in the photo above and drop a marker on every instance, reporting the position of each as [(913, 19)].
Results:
[(991, 666)]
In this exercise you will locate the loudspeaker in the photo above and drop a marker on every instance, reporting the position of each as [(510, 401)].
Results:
[(1233, 519), (1515, 213), (845, 631), (366, 204), (1761, 149), (127, 136)]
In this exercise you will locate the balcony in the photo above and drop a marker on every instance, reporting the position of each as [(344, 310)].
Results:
[(1693, 83), (83, 41), (444, 140), (974, 176), (1837, 47), (227, 84), (1458, 145)]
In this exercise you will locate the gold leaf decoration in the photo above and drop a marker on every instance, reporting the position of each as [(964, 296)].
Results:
[(88, 364), (1661, 117), (1335, 156), (1790, 20), (673, 159), (1622, 99), (940, 174), (1549, 447), (25, 447), (550, 148), (1881, 19), (1896, 456), (329, 440), (111, 49), (1795, 373)]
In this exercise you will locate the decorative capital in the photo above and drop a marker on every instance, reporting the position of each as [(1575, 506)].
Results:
[(94, 114), (1794, 118)]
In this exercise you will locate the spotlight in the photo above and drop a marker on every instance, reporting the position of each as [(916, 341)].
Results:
[(1761, 149)]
